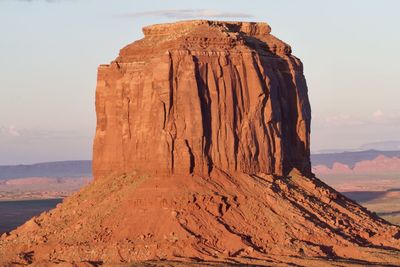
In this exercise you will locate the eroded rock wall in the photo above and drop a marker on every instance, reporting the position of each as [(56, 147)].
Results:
[(208, 95)]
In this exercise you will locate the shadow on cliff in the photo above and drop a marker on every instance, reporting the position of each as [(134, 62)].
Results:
[(292, 120)]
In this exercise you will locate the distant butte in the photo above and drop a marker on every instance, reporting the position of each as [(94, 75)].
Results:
[(202, 156)]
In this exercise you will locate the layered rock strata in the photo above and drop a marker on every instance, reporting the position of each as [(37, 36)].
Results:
[(198, 95)]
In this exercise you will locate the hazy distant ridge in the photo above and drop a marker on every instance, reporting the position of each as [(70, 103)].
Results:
[(349, 158), (59, 169)]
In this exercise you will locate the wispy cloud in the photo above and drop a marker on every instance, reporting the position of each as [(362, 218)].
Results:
[(47, 1), (377, 118), (10, 131), (378, 115), (188, 13), (342, 120)]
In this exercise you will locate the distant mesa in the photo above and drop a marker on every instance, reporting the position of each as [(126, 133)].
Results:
[(369, 161), (382, 145), (201, 155), (43, 180), (77, 168)]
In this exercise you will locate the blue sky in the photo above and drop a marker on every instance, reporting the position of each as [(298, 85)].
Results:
[(50, 51)]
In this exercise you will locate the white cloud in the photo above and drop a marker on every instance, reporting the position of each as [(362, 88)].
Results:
[(28, 135), (342, 120), (10, 130), (188, 13), (391, 118), (378, 115), (48, 1), (377, 118)]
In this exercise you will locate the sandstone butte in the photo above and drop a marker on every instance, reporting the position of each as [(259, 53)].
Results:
[(202, 158)]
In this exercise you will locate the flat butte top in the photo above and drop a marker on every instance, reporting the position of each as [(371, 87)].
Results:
[(205, 36)]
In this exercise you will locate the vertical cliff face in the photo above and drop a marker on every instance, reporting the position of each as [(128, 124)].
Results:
[(198, 95)]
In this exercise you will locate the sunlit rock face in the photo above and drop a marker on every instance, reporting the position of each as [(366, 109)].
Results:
[(193, 96)]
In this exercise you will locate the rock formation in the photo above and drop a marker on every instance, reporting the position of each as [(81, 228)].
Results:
[(209, 95), (201, 155)]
